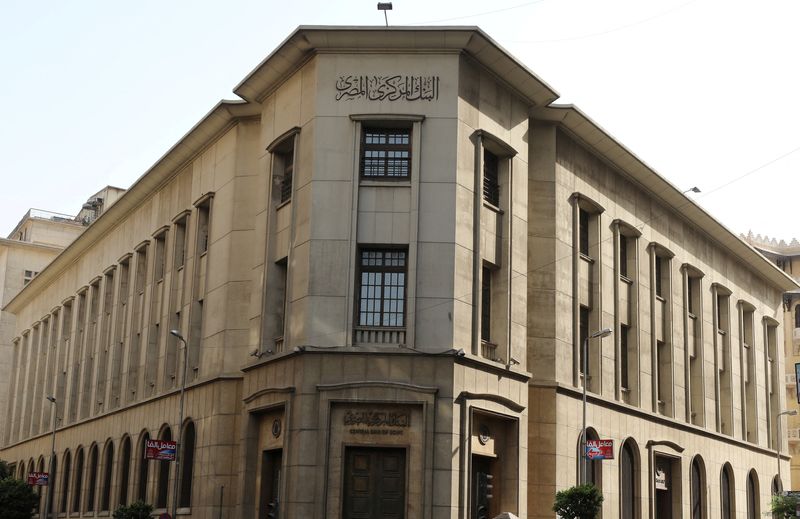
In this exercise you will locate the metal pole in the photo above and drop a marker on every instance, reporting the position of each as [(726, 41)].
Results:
[(583, 428), (180, 423), (50, 486)]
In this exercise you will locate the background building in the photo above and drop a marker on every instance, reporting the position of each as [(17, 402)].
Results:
[(787, 257), (385, 259)]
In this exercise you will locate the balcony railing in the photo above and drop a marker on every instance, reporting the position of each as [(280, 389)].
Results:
[(378, 335)]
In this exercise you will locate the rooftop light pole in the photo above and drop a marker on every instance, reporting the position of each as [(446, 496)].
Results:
[(50, 486), (789, 412), (693, 189), (385, 6), (177, 335), (605, 332)]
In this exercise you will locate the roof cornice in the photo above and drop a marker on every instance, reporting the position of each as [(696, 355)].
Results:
[(592, 135), (221, 118), (308, 40)]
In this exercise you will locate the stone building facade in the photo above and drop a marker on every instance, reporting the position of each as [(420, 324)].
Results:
[(787, 257), (384, 259)]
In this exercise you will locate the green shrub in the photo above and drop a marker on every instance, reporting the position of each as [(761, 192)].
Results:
[(17, 499), (135, 510), (783, 506), (578, 502)]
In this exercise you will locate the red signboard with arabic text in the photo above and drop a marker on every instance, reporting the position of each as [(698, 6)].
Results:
[(160, 450), (600, 449), (38, 479)]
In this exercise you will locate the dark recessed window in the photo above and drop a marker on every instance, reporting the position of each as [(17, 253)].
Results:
[(583, 231), (287, 174), (386, 153), (382, 286), (486, 305), (623, 255), (491, 182)]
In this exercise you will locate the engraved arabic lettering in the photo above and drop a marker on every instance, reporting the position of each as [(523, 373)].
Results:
[(388, 88), (377, 419)]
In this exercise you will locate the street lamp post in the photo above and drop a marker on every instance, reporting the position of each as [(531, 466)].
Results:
[(177, 335), (50, 487), (779, 440), (605, 332)]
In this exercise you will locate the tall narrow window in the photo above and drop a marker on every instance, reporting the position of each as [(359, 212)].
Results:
[(203, 214), (163, 474), (108, 467), (659, 276), (724, 372), (77, 489), (583, 229), (661, 321), (187, 465), (623, 255), (752, 495), (726, 492), (65, 484), (694, 343), (386, 153), (584, 334), (91, 491), (141, 484), (624, 350), (797, 316), (491, 179), (160, 255), (52, 484), (287, 174), (628, 481), (281, 285), (180, 242), (124, 470), (698, 489), (382, 283), (486, 305)]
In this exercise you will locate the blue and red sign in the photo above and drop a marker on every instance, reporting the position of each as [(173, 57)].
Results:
[(160, 450), (600, 449), (38, 479)]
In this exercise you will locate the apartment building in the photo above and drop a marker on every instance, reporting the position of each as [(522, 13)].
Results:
[(384, 260)]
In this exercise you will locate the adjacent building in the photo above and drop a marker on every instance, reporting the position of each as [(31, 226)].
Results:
[(787, 257), (384, 261)]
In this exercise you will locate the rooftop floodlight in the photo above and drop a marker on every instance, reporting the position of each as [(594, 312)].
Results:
[(385, 6), (693, 189)]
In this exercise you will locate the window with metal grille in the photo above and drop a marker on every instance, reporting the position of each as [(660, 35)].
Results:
[(287, 172), (386, 153), (491, 182), (382, 288)]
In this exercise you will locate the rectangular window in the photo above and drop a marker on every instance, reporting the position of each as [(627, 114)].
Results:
[(28, 277), (659, 284), (584, 334), (491, 182), (180, 242), (160, 263), (203, 214), (583, 225), (623, 255), (486, 305), (386, 153), (624, 332), (382, 284)]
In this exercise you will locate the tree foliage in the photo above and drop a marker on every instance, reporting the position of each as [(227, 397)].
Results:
[(783, 506), (578, 502), (5, 470), (135, 510), (17, 499)]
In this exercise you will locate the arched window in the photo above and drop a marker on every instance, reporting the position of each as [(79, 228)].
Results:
[(141, 483), (91, 491), (628, 480), (40, 468), (65, 483), (187, 465), (124, 470), (108, 467), (52, 483), (726, 490), (698, 485), (78, 477), (752, 495), (594, 469), (777, 485), (163, 472), (797, 316)]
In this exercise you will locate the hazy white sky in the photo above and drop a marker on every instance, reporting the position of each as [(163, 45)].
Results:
[(705, 91)]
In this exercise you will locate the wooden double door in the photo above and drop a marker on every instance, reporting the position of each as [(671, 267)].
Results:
[(374, 483)]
